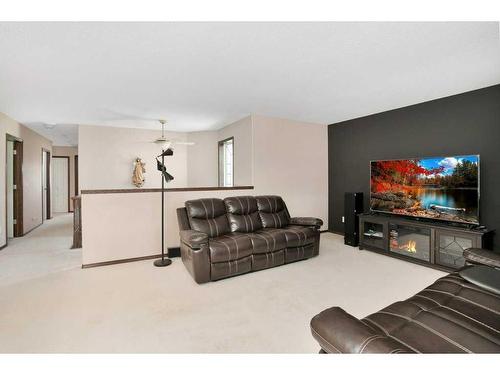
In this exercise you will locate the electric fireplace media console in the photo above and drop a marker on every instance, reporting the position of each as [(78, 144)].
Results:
[(428, 243)]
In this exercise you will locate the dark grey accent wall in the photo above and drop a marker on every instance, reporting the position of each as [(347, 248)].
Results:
[(467, 123)]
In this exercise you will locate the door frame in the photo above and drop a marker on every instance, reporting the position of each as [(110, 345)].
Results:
[(18, 181), (69, 178), (48, 192)]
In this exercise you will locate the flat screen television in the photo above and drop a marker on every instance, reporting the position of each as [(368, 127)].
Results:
[(441, 188)]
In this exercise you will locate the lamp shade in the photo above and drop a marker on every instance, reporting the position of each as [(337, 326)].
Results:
[(161, 167), (167, 152)]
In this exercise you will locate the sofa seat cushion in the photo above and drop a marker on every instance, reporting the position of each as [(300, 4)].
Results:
[(232, 268), (230, 246), (293, 254), (450, 316), (299, 236), (268, 240), (268, 260)]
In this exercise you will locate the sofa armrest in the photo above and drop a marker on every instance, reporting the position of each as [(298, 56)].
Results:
[(339, 332), (482, 256), (193, 238), (307, 221)]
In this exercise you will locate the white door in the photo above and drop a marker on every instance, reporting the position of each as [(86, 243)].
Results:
[(60, 194)]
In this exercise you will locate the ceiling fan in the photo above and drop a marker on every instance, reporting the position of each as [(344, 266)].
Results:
[(166, 143)]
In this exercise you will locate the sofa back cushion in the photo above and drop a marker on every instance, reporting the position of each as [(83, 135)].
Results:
[(208, 215), (242, 213), (272, 211)]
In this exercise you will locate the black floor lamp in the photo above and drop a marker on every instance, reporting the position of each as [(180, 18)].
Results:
[(166, 177)]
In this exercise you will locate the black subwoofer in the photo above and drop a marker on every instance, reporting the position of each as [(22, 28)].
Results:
[(353, 206)]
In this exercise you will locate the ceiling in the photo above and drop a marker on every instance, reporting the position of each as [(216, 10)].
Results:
[(201, 76), (59, 134)]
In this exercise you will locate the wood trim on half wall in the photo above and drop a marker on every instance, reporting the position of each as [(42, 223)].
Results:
[(158, 190)]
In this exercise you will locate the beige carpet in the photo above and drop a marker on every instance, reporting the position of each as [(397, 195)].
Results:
[(49, 304), (41, 252)]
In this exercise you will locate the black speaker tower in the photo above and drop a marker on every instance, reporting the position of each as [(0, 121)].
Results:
[(353, 206)]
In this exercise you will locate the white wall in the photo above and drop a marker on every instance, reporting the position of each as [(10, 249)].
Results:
[(32, 173), (128, 225), (107, 155), (290, 158), (32, 176), (203, 156), (202, 159)]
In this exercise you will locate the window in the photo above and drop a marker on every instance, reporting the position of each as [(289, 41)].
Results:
[(226, 162)]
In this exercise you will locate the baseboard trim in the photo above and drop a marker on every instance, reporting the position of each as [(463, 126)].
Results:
[(173, 252), (332, 231), (32, 229), (4, 246), (119, 261)]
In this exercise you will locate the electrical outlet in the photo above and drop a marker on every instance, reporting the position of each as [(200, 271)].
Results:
[(343, 219)]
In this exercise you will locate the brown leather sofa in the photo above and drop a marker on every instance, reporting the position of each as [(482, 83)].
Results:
[(223, 238), (452, 315)]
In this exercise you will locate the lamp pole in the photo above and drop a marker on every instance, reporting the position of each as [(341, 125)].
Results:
[(163, 262)]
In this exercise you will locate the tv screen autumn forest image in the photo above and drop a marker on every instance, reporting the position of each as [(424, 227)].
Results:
[(445, 188)]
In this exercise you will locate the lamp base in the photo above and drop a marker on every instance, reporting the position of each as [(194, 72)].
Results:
[(162, 262)]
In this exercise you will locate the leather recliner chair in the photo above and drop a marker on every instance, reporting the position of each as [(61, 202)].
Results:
[(453, 315), (223, 238)]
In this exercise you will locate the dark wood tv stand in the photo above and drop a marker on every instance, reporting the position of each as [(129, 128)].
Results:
[(433, 244)]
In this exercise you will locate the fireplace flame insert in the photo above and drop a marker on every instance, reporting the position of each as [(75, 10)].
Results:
[(410, 241)]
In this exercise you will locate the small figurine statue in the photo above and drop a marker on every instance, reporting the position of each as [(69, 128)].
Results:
[(138, 178)]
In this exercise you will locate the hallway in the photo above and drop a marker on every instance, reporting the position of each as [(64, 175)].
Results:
[(44, 251)]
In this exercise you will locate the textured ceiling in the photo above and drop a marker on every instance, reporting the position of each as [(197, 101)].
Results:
[(202, 76)]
